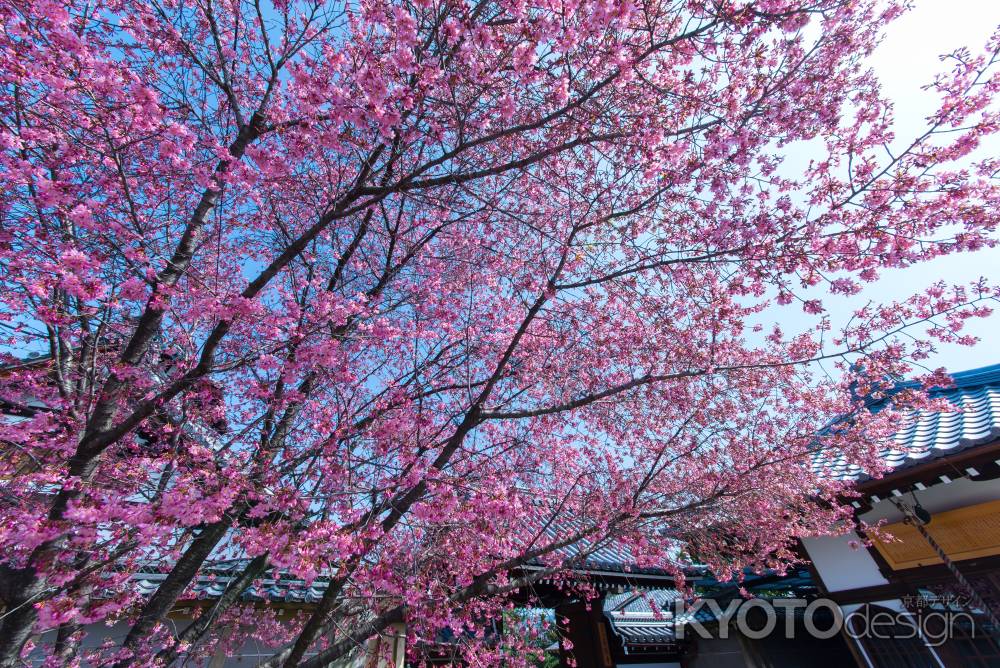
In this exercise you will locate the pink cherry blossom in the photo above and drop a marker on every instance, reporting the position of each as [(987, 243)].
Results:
[(399, 299)]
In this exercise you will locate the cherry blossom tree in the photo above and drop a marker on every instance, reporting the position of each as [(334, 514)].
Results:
[(402, 298)]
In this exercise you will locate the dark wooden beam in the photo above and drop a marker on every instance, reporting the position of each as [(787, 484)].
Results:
[(952, 465)]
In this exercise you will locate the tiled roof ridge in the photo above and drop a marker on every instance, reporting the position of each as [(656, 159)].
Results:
[(984, 375)]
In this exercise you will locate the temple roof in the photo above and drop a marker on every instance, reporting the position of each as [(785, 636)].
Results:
[(926, 436), (642, 618), (269, 589)]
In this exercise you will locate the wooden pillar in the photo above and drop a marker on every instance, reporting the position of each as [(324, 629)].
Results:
[(587, 631)]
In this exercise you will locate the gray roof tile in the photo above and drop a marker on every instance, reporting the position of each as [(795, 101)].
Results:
[(927, 436)]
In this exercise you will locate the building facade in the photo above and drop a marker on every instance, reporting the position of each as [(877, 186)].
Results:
[(929, 575)]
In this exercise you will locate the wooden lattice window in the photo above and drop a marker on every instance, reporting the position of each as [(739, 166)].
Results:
[(971, 640), (972, 644), (889, 644)]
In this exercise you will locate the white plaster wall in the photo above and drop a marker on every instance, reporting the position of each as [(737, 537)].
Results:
[(842, 566)]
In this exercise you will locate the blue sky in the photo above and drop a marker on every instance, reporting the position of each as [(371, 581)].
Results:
[(906, 61)]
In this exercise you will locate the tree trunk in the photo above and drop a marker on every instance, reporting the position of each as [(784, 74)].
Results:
[(196, 631), (160, 603)]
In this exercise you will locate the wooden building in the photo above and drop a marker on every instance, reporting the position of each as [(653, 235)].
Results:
[(938, 578), (924, 591)]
